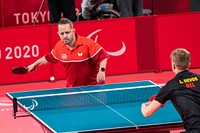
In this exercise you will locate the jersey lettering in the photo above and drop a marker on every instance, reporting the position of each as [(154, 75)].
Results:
[(190, 85), (188, 80)]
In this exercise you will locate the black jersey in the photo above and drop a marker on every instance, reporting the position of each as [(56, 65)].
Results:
[(184, 92)]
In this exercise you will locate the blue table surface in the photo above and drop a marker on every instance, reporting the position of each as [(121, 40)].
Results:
[(99, 117)]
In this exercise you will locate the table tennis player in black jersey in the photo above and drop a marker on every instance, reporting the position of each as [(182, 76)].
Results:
[(183, 91)]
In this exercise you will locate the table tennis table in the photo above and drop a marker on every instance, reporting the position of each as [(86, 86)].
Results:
[(98, 108)]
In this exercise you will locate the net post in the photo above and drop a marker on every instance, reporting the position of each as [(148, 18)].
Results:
[(15, 107)]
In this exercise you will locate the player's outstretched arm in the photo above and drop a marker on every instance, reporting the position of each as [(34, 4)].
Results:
[(149, 108), (37, 63)]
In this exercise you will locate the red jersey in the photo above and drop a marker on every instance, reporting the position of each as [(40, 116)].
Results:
[(81, 63)]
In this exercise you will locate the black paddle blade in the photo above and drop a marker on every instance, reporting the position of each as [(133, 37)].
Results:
[(19, 70)]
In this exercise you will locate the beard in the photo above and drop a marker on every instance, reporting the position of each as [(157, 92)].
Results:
[(67, 41)]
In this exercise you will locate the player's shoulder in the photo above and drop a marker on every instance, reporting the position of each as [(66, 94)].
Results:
[(194, 74), (172, 83), (85, 40)]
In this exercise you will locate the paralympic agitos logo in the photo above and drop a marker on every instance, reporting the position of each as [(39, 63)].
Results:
[(34, 104), (116, 53)]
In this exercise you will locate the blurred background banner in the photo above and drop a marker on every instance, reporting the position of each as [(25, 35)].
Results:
[(1, 13), (178, 30), (20, 47), (142, 45), (136, 44), (23, 12)]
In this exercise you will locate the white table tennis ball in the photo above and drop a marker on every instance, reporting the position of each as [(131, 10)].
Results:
[(52, 78)]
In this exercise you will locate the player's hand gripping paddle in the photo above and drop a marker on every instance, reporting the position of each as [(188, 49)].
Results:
[(153, 97), (19, 70)]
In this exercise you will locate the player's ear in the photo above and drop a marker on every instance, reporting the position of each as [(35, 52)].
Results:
[(173, 66)]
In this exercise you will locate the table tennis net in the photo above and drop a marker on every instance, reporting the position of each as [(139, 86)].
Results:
[(88, 98)]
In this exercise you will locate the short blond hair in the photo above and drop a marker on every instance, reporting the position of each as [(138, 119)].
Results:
[(181, 57)]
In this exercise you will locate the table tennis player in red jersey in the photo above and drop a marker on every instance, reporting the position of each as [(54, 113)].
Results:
[(83, 59)]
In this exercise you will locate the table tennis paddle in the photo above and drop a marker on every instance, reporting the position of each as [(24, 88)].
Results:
[(153, 97), (19, 70)]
